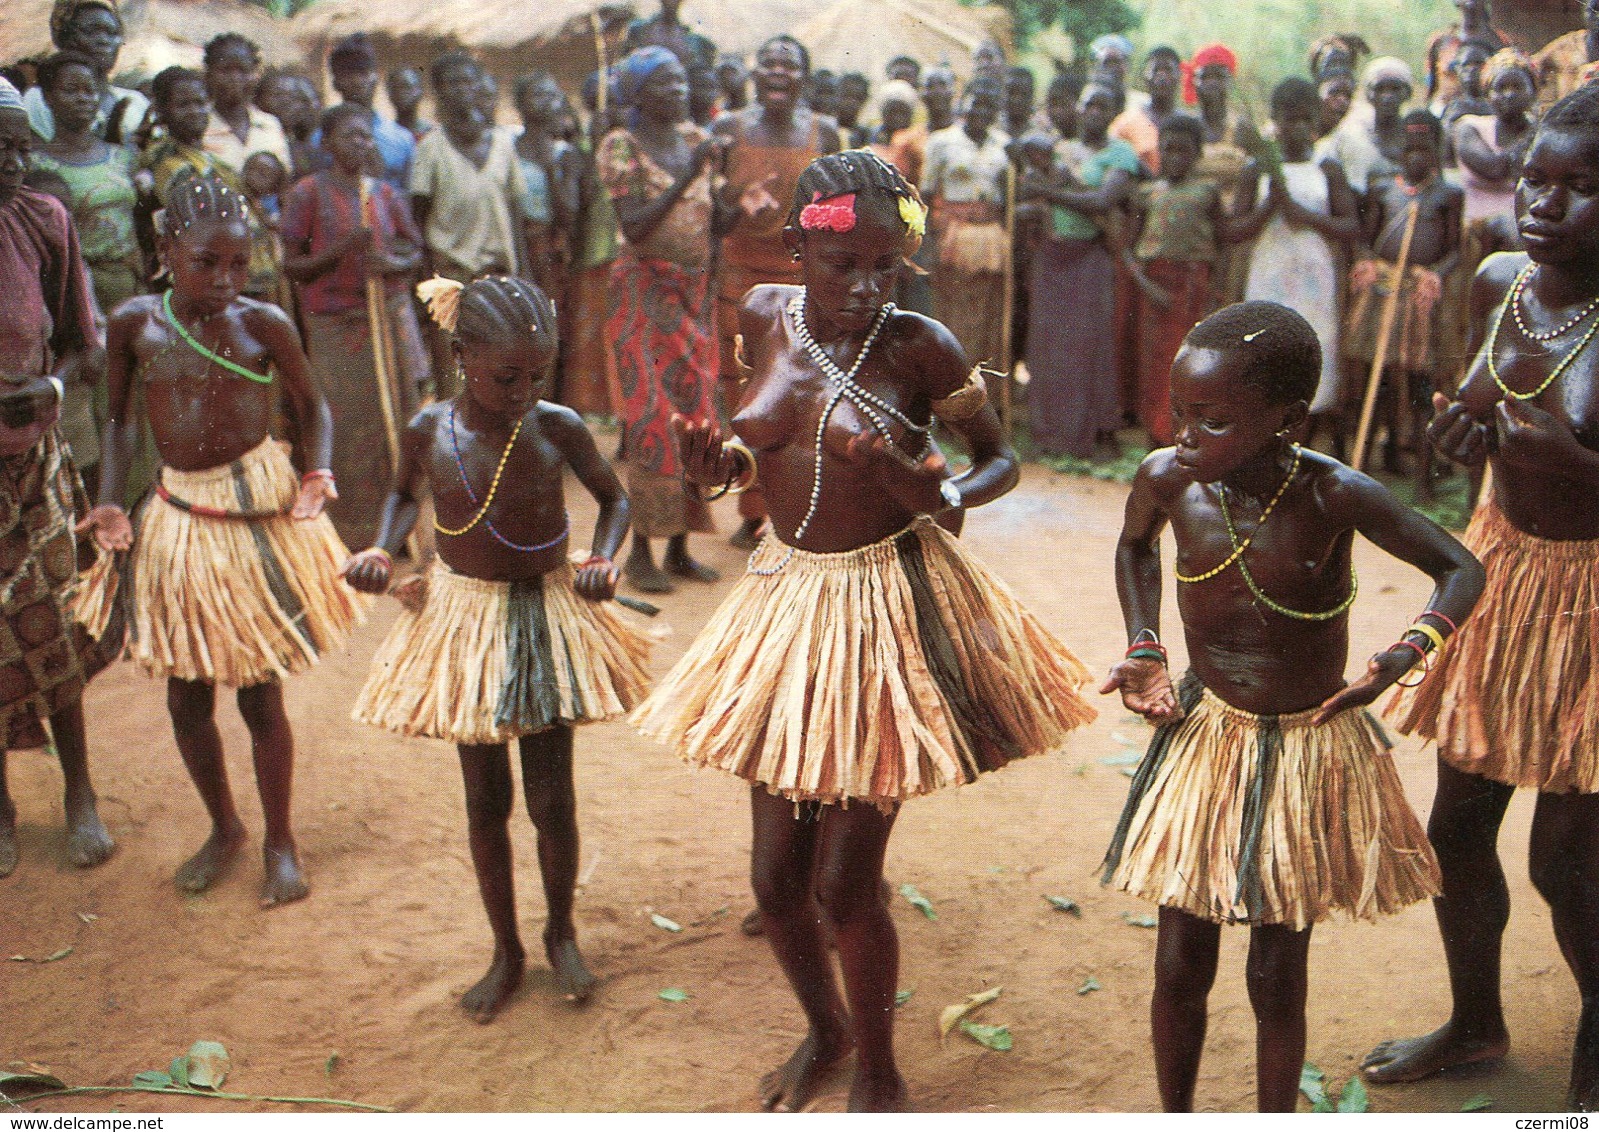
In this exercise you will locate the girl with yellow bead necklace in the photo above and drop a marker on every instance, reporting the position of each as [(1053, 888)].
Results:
[(505, 639), (1267, 797)]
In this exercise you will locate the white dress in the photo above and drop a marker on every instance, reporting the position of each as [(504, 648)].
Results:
[(1298, 267)]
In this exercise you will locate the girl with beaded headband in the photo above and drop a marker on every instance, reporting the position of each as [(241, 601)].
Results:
[(1267, 797), (1515, 702), (865, 658), (504, 638), (235, 565)]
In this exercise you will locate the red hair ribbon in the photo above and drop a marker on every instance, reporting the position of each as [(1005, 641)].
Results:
[(835, 214), (1212, 54)]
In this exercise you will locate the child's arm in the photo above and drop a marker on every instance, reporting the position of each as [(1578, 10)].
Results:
[(1144, 681), (596, 578), (369, 570), (304, 404), (1246, 222), (1411, 537), (1342, 223), (109, 522)]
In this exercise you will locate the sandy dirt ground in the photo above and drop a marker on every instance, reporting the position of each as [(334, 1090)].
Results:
[(370, 967)]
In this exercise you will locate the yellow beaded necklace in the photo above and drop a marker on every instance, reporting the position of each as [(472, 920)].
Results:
[(1238, 550), (493, 487), (1564, 363)]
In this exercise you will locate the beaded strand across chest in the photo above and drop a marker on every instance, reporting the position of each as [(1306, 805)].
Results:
[(483, 512), (1513, 306)]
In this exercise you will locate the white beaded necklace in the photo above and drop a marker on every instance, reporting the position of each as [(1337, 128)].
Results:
[(867, 402)]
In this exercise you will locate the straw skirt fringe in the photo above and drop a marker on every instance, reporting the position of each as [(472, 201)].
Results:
[(485, 662), (1515, 696), (232, 601), (1238, 817), (876, 674)]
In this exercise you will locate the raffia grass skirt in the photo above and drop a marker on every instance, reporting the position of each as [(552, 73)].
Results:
[(1515, 696), (871, 675), (1242, 818), (231, 601), (486, 662)]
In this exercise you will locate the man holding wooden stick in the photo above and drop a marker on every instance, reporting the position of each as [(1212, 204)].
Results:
[(351, 243), (1413, 221)]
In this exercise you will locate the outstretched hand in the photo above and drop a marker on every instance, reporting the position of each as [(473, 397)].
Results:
[(1146, 688), (1381, 672), (110, 526), (699, 446)]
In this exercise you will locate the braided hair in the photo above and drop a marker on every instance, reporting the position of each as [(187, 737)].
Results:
[(1279, 353), (496, 308), (869, 178), (194, 198)]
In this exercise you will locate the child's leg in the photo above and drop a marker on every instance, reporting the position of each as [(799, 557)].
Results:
[(8, 823), (1472, 914), (850, 890), (1565, 869), (486, 772), (272, 746), (1278, 977), (783, 874), (552, 804), (1185, 968), (642, 571), (677, 560), (192, 706), (88, 843)]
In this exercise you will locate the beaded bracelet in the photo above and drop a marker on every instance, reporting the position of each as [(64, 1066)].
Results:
[(596, 560), (1147, 653), (318, 474)]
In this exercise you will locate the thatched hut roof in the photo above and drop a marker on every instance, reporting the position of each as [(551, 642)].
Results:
[(863, 35), (160, 32)]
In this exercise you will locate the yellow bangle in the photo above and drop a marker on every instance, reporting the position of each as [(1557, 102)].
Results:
[(741, 451), (1430, 633)]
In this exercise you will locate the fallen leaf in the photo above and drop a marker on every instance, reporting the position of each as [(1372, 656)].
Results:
[(152, 1079), (207, 1064), (901, 997), (1354, 1098), (1130, 772), (1080, 770), (664, 924), (37, 1077), (330, 1064), (87, 917), (54, 955), (20, 959), (672, 994), (1313, 1083), (1065, 904), (1090, 985), (1145, 921), (1126, 758), (918, 901), (952, 1014), (1482, 1102), (994, 1037)]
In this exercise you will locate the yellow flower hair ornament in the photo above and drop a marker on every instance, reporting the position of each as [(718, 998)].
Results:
[(443, 299)]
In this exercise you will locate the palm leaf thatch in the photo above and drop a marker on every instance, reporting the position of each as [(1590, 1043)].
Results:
[(160, 33), (863, 35)]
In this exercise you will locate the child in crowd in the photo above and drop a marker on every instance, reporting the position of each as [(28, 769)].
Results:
[(505, 639), (1178, 230), (49, 326), (235, 567), (1266, 797), (1419, 191)]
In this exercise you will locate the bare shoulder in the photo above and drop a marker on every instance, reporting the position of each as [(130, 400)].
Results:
[(133, 315), (423, 426), (930, 347), (765, 301), (1343, 494), (265, 318), (1161, 478), (560, 423), (1496, 274)]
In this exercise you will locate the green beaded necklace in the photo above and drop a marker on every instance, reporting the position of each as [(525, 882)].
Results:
[(207, 354)]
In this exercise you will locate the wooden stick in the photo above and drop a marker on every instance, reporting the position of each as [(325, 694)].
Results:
[(1385, 330), (1005, 335), (377, 315)]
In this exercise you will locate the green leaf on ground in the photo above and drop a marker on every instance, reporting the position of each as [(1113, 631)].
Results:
[(34, 1079), (950, 1015), (1090, 985), (1354, 1098), (330, 1064), (54, 955), (153, 1079), (1065, 904), (207, 1065), (1482, 1102), (179, 1072), (994, 1037), (1144, 921), (672, 994), (664, 924), (1313, 1083), (918, 901), (901, 997)]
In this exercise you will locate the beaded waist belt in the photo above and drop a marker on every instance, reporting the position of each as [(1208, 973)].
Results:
[(205, 512)]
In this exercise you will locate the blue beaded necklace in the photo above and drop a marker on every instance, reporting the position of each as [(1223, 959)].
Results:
[(460, 466)]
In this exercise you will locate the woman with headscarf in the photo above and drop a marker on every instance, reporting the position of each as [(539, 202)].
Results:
[(662, 173), (1368, 141), (92, 28), (1231, 143)]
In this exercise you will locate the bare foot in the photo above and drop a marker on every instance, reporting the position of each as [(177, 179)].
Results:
[(752, 924), (572, 978), (686, 567), (200, 871), (495, 988), (88, 841), (284, 882), (648, 579), (872, 1094), (1412, 1059), (798, 1082), (8, 846)]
